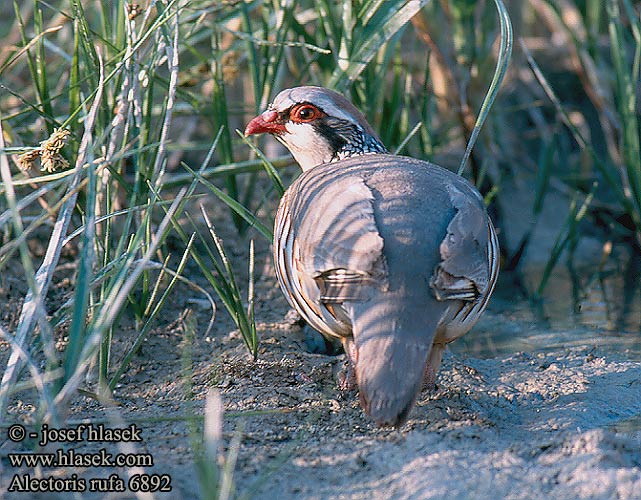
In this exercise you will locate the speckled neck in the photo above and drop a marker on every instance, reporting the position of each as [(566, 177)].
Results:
[(360, 144)]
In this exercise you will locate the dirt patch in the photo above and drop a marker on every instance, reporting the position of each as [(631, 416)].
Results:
[(531, 425), (525, 426)]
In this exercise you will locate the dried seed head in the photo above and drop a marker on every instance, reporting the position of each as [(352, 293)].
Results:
[(49, 153), (52, 162), (56, 142), (26, 160), (133, 11), (50, 157)]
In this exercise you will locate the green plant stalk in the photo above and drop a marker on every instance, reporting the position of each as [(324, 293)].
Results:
[(91, 59), (576, 133), (25, 201), (220, 286), (627, 105), (503, 60), (594, 10), (275, 59), (426, 139), (41, 69), (74, 76), (7, 251), (239, 315), (89, 47), (243, 212), (125, 241), (464, 30), (543, 175), (30, 275), (33, 301), (408, 138), (146, 163), (269, 168), (126, 278), (241, 167), (25, 42), (156, 288), (565, 237), (360, 47), (77, 329), (252, 60), (118, 213), (253, 334), (221, 122), (237, 208), (224, 285)]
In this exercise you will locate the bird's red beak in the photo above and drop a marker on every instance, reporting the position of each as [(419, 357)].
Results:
[(266, 123)]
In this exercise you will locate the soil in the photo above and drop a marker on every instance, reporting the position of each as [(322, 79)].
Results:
[(555, 420)]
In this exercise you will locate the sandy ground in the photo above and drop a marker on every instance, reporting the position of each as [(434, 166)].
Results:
[(560, 424), (525, 426), (551, 419)]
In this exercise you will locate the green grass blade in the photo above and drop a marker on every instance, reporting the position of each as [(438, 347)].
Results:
[(627, 104), (565, 237), (269, 167), (77, 329), (388, 20), (610, 178), (237, 208), (32, 302), (503, 60)]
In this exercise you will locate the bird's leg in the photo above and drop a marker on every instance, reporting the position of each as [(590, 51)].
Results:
[(347, 375), (432, 367)]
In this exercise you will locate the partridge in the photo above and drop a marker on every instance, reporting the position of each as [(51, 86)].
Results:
[(393, 256)]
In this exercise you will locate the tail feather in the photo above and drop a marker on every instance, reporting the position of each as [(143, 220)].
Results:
[(389, 375), (393, 338)]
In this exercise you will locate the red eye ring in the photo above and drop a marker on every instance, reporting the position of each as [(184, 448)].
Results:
[(304, 113)]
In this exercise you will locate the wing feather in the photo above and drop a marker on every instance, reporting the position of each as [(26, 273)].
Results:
[(463, 273)]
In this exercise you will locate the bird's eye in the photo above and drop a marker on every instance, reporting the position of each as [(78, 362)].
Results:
[(304, 113)]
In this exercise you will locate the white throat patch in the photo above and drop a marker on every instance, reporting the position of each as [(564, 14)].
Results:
[(308, 147)]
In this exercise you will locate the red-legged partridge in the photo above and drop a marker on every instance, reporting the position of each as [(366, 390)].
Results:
[(394, 256)]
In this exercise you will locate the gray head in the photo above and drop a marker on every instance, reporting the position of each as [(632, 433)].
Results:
[(317, 125)]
